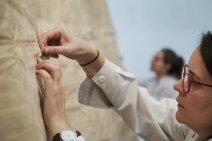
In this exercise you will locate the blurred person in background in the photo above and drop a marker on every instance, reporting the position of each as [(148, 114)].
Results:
[(167, 66)]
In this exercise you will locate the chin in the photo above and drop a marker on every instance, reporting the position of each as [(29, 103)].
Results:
[(179, 116)]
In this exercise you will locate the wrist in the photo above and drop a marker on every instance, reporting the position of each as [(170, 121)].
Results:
[(86, 56), (57, 126), (94, 67), (91, 61)]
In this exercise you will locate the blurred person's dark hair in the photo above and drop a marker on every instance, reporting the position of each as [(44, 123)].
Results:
[(206, 50), (176, 62)]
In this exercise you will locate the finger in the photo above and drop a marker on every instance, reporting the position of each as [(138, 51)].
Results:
[(46, 65), (55, 50), (50, 35), (47, 61), (52, 68), (39, 34), (39, 60), (48, 81), (39, 37)]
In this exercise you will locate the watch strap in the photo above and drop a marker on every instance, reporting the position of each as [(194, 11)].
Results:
[(57, 137), (78, 133)]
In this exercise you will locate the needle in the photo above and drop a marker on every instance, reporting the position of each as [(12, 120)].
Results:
[(43, 57)]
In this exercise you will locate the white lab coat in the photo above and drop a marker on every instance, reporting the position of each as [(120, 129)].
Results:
[(150, 119)]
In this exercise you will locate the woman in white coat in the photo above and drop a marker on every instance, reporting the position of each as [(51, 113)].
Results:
[(167, 67), (107, 85)]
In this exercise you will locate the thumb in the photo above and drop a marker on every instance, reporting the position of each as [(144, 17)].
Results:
[(48, 81), (54, 50)]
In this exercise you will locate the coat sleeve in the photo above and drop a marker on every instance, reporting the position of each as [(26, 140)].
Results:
[(152, 120)]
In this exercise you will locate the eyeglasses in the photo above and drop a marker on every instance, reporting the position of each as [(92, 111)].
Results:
[(187, 81)]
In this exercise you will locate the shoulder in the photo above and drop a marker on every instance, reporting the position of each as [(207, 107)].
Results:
[(148, 81), (166, 80)]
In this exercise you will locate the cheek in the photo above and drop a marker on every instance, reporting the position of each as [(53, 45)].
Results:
[(159, 65), (155, 66), (199, 101), (192, 105), (197, 106), (188, 112), (203, 105)]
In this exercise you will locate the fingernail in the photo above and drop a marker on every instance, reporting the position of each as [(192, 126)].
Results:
[(42, 45), (46, 50), (42, 49)]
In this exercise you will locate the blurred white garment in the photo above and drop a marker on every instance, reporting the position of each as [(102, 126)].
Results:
[(160, 88)]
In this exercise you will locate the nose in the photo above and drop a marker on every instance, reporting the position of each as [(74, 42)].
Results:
[(178, 86)]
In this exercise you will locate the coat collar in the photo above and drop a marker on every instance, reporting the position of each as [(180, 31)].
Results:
[(196, 137)]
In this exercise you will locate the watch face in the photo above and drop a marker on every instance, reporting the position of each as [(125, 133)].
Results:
[(68, 135)]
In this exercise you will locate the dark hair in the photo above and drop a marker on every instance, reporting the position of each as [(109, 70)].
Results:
[(176, 62), (206, 51)]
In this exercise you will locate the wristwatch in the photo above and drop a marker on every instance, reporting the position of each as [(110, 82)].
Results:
[(68, 134)]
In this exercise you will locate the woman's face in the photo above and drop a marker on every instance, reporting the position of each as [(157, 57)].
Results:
[(158, 65), (195, 108)]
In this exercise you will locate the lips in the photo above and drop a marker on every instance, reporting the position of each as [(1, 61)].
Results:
[(179, 105)]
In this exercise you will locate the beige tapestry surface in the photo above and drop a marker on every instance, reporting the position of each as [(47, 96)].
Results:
[(21, 90)]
